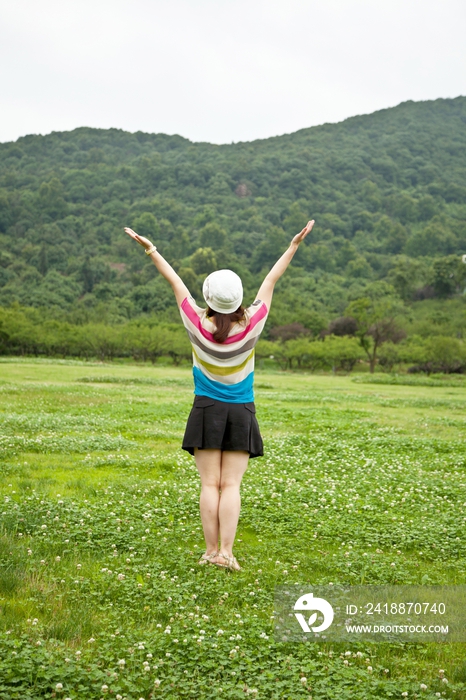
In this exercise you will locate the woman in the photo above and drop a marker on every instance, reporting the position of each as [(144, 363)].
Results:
[(222, 431)]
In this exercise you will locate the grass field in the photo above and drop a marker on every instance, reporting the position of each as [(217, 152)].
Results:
[(100, 591)]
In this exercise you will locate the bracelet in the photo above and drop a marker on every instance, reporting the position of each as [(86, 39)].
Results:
[(150, 250)]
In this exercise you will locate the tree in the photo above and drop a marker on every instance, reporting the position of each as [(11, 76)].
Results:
[(203, 261), (146, 225), (434, 239), (446, 354), (449, 275), (213, 236), (341, 352), (288, 332), (344, 325), (389, 355), (376, 319), (43, 264)]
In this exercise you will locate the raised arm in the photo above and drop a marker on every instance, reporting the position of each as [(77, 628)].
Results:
[(265, 292), (180, 289)]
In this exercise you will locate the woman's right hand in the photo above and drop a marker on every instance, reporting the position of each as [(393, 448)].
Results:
[(302, 234), (145, 242)]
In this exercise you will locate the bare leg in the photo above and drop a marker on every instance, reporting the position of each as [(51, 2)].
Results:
[(208, 463), (233, 466)]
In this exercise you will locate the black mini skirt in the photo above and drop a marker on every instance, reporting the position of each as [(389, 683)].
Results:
[(218, 425)]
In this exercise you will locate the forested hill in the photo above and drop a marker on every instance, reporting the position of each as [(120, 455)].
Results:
[(387, 191)]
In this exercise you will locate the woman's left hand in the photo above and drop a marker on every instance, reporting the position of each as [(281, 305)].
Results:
[(145, 242)]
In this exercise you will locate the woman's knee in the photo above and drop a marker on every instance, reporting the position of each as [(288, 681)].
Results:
[(210, 482), (230, 482)]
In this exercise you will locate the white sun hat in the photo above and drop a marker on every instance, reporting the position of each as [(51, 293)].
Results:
[(223, 291)]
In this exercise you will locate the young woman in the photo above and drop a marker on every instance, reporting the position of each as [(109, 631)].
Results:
[(222, 431)]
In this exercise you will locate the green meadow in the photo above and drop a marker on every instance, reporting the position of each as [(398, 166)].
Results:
[(100, 591)]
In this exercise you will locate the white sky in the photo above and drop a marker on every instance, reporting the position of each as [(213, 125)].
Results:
[(221, 70)]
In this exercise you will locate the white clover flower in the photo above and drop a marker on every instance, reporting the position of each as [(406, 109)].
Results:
[(78, 566), (104, 688), (149, 655), (157, 682), (220, 632), (120, 577), (423, 686), (369, 668), (444, 680), (58, 558), (59, 687), (121, 663), (347, 653), (91, 640), (404, 695), (303, 680), (346, 662)]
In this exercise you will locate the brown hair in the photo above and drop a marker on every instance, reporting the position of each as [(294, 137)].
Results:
[(223, 322)]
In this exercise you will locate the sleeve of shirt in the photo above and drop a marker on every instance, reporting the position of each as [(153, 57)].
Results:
[(257, 315), (190, 312)]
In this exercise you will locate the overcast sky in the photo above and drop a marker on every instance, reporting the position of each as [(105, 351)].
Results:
[(221, 70)]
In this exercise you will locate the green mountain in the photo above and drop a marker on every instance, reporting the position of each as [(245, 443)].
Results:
[(387, 191)]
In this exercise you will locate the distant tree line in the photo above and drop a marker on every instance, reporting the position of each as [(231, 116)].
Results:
[(348, 342)]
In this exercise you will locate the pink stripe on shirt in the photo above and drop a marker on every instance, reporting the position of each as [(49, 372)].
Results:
[(195, 320)]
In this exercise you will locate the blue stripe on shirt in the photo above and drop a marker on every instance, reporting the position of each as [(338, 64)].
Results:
[(242, 392)]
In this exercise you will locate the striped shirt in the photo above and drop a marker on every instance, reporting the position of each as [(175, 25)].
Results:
[(223, 371)]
